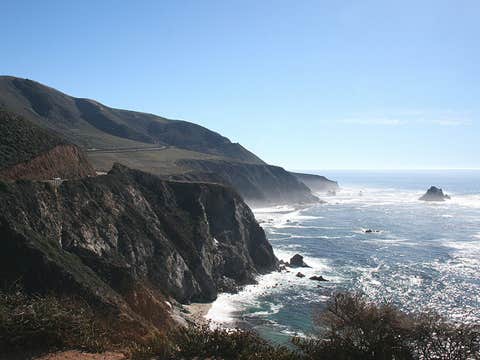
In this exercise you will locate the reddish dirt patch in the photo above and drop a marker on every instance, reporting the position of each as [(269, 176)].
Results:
[(78, 355)]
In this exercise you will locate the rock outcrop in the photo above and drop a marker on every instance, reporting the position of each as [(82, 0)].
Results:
[(318, 278), (297, 261), (434, 194), (128, 238)]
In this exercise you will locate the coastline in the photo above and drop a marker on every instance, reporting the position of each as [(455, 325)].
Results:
[(195, 313)]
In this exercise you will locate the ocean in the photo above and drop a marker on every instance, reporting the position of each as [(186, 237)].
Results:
[(421, 256)]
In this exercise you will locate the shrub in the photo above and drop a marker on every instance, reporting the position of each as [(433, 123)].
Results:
[(201, 342), (39, 323), (353, 328), (158, 346), (350, 327), (220, 343), (435, 338), (3, 186)]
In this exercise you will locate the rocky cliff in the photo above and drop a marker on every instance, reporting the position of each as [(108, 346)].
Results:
[(122, 238), (257, 183)]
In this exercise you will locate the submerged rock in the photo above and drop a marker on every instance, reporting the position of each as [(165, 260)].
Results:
[(318, 278), (434, 194), (297, 261), (300, 275)]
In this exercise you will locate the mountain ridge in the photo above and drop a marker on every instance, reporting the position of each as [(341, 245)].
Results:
[(76, 118)]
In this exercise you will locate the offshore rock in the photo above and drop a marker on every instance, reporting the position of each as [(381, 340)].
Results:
[(434, 194), (297, 261)]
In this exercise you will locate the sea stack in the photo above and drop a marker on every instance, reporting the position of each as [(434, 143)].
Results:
[(434, 194), (297, 261)]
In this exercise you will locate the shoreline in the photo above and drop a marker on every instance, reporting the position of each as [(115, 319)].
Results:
[(196, 313)]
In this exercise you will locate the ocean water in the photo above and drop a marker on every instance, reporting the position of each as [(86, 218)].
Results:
[(423, 255)]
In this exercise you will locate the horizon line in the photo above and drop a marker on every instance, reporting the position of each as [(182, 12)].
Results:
[(386, 169)]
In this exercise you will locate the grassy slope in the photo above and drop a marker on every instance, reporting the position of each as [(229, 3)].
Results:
[(158, 162)]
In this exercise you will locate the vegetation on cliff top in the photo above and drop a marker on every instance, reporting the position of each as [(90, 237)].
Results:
[(22, 140)]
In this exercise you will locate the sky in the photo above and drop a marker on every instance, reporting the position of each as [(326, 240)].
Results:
[(304, 84)]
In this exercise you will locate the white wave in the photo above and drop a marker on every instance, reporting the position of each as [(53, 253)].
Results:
[(279, 217), (469, 246), (372, 196), (226, 308), (391, 196), (275, 209), (470, 201)]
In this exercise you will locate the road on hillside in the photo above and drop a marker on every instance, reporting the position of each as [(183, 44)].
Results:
[(124, 150)]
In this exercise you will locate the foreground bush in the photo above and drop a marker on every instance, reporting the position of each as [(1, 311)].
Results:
[(433, 337), (353, 328), (350, 328), (39, 323), (205, 343)]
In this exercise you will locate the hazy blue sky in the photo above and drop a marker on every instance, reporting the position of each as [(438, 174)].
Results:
[(304, 84)]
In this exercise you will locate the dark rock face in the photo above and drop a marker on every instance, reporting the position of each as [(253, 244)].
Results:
[(434, 194), (257, 183), (300, 275), (318, 278), (297, 261), (129, 235)]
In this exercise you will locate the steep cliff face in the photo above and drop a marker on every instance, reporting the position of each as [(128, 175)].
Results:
[(123, 237), (317, 183), (258, 184)]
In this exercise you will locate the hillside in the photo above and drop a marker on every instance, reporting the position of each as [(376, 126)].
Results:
[(167, 148), (28, 151), (93, 125)]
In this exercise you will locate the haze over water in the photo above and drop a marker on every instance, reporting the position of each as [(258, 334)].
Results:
[(424, 255)]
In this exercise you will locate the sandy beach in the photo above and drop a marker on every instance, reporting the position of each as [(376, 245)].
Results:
[(197, 312)]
